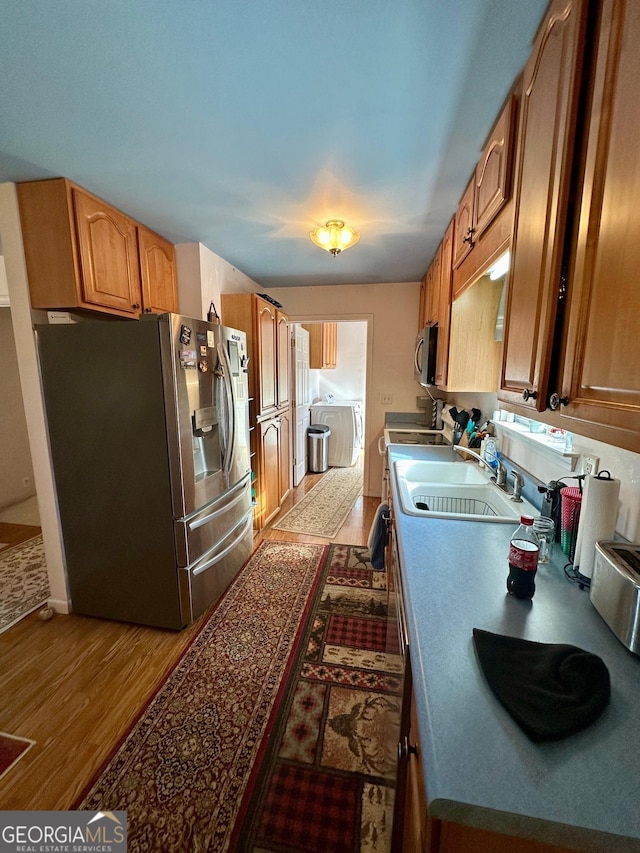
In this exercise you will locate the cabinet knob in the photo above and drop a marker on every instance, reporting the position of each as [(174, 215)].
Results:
[(529, 395), (555, 400), (135, 306), (405, 749), (468, 237)]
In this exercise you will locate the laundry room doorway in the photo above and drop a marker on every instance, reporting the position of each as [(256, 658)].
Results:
[(337, 374)]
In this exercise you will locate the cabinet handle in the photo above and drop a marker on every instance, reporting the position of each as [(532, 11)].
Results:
[(468, 237), (147, 310), (529, 395), (555, 400), (405, 749), (135, 305)]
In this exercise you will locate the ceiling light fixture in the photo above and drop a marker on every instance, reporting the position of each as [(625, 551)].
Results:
[(334, 236)]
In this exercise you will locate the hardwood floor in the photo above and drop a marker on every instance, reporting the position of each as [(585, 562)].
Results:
[(76, 684), (14, 534)]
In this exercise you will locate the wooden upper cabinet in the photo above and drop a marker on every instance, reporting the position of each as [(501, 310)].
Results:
[(157, 272), (434, 288), (464, 224), (266, 338), (323, 345), (550, 89), (493, 172), (283, 350), (108, 254), (600, 381), (82, 253), (444, 305)]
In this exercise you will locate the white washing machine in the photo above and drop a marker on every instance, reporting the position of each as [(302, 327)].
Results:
[(344, 418)]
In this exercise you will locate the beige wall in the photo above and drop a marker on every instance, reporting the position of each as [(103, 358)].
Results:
[(391, 311), (15, 459)]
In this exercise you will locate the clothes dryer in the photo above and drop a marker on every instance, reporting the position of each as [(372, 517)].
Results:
[(344, 418)]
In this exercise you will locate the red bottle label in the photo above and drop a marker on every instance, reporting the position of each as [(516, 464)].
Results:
[(524, 558)]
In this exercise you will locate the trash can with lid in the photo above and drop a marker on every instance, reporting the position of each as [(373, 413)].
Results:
[(318, 441)]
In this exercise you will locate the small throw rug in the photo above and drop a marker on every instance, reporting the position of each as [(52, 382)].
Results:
[(12, 749), (181, 771), (325, 778), (24, 585), (322, 511)]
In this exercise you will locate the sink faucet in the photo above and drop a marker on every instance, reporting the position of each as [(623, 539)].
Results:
[(501, 473), (518, 483)]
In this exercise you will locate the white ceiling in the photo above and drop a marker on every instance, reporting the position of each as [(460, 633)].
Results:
[(243, 124)]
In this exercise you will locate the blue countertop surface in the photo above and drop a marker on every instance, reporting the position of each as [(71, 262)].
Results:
[(480, 768)]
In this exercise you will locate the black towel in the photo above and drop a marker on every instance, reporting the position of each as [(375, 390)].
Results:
[(550, 689), (379, 536)]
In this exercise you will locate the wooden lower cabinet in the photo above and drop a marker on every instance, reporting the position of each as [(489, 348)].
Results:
[(424, 834), (273, 470)]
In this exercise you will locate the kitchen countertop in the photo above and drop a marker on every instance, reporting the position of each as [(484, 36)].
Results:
[(480, 768)]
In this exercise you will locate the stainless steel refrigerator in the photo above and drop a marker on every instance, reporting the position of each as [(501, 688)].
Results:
[(149, 435)]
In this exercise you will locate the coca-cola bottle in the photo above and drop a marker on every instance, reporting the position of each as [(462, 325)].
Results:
[(523, 559)]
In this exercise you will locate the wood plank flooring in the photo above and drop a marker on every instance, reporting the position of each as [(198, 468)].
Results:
[(14, 534), (76, 684)]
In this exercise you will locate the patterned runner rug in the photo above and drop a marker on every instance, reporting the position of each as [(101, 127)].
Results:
[(326, 776), (24, 584), (322, 511), (12, 749), (285, 697)]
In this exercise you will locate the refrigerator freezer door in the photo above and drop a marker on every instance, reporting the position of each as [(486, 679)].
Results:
[(203, 583), (202, 531)]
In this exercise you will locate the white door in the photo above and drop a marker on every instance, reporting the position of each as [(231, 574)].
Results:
[(301, 401)]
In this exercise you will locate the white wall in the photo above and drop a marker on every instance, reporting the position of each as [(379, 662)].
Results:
[(15, 458), (348, 380), (23, 318), (391, 313), (203, 276)]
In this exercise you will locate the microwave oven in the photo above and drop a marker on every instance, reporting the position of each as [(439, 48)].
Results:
[(424, 360)]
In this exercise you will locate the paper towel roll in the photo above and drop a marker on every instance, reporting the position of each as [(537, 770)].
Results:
[(597, 519)]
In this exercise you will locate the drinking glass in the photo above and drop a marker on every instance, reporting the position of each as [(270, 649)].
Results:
[(546, 530)]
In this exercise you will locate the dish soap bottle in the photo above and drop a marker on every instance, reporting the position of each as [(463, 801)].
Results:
[(524, 550)]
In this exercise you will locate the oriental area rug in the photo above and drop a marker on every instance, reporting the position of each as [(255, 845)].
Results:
[(24, 585), (277, 729), (322, 511), (12, 749)]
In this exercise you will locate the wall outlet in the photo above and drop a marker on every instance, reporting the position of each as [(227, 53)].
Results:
[(590, 464), (386, 399)]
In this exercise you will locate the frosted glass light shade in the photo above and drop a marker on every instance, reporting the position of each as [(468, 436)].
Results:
[(335, 236)]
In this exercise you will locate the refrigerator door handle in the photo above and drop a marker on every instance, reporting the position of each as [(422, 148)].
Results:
[(193, 525), (230, 450), (244, 524)]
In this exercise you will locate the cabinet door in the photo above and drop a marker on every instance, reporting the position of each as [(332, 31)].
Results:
[(463, 231), (493, 172), (601, 377), (330, 344), (444, 306), (434, 288), (551, 82), (157, 273), (269, 469), (108, 251), (283, 349), (284, 452), (267, 365)]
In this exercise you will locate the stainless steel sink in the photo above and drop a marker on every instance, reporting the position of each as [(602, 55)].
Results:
[(455, 490)]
